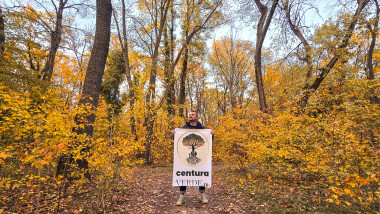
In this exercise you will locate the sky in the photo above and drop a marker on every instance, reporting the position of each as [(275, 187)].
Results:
[(244, 31), (240, 28)]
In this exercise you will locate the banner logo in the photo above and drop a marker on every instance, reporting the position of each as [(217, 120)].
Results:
[(192, 149)]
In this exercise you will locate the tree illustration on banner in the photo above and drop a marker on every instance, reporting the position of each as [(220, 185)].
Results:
[(193, 141)]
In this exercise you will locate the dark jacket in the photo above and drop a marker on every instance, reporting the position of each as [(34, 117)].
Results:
[(198, 126)]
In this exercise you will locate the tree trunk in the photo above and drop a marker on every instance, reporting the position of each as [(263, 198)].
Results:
[(92, 81), (308, 59), (150, 98), (55, 41), (2, 34), (297, 31), (182, 89), (371, 73), (131, 86), (262, 29), (373, 31), (168, 74), (172, 80)]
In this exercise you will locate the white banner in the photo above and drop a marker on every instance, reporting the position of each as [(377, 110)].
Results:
[(192, 157)]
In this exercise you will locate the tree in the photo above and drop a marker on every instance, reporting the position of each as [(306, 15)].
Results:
[(262, 29), (231, 62), (123, 39), (297, 30), (93, 78), (151, 26), (55, 40), (23, 48), (294, 18), (168, 62), (337, 55), (54, 27), (98, 59), (113, 77), (152, 22), (40, 28), (197, 16), (197, 84), (193, 140)]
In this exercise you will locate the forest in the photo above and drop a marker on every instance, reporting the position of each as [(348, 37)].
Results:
[(91, 89)]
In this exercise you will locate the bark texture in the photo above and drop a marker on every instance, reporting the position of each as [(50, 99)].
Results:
[(262, 29), (91, 85), (2, 34)]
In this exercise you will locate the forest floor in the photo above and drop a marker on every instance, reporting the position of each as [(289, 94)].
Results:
[(148, 189), (153, 193)]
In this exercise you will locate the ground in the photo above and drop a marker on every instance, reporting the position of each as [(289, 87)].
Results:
[(153, 193)]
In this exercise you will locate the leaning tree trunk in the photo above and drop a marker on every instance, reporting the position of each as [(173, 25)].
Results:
[(55, 41), (92, 83), (296, 29)]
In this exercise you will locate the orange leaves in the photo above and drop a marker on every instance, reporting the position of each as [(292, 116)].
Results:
[(3, 156)]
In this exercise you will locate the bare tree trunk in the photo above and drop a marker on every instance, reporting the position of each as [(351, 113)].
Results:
[(373, 31), (182, 89), (2, 34), (55, 41), (297, 31), (123, 39), (93, 79), (371, 74), (168, 71), (262, 29), (171, 77), (308, 59)]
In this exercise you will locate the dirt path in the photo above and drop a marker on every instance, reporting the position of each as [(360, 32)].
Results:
[(154, 193)]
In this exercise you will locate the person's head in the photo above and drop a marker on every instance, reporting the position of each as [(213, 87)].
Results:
[(193, 116)]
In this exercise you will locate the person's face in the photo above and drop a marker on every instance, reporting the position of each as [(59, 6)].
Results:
[(192, 117)]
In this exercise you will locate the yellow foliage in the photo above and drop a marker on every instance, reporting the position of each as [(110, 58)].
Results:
[(330, 148)]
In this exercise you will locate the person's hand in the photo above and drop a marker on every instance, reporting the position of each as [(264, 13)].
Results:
[(173, 132), (212, 132)]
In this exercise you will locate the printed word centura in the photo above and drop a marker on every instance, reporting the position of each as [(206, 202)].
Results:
[(192, 173)]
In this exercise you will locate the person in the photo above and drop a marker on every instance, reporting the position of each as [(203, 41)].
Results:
[(193, 123)]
